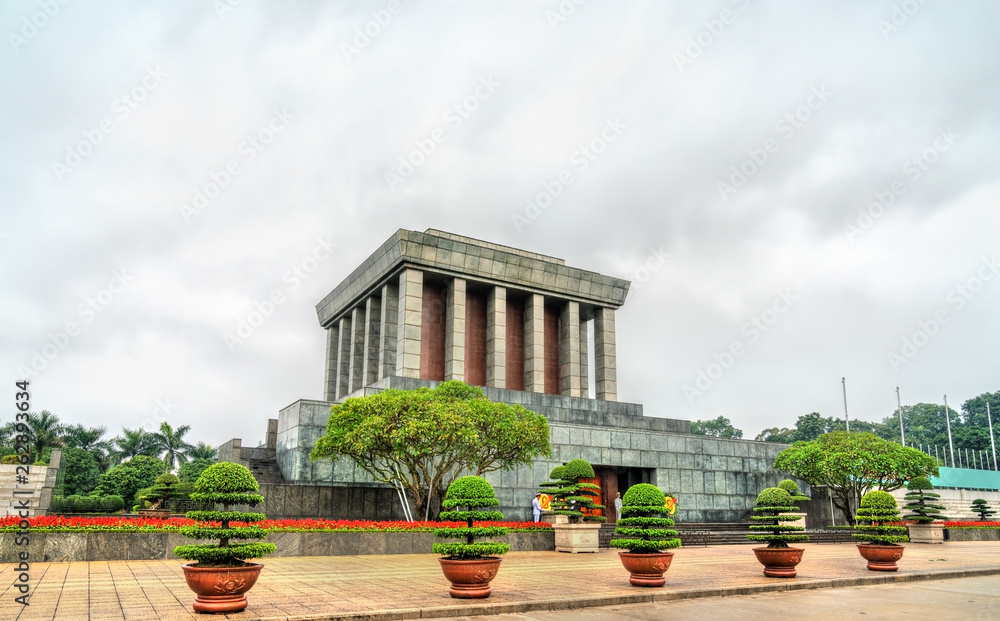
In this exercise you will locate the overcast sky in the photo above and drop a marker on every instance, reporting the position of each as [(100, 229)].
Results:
[(166, 167)]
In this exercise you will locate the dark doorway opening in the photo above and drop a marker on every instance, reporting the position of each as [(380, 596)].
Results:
[(617, 479)]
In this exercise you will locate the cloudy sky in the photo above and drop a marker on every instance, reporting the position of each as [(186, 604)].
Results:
[(806, 185)]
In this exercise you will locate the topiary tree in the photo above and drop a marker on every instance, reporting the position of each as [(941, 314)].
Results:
[(163, 490), (771, 520), (473, 493), (228, 484), (979, 506), (641, 529), (792, 488), (570, 496), (920, 501), (877, 520)]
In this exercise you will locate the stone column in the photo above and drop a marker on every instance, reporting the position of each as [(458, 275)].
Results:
[(411, 294), (454, 335), (357, 367), (569, 350), (605, 369), (344, 357), (330, 374), (584, 361), (387, 330), (496, 338), (534, 343), (373, 321)]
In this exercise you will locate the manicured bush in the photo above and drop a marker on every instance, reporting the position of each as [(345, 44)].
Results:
[(770, 516), (571, 496), (980, 507), (920, 501), (877, 520), (641, 529), (472, 493), (85, 504), (82, 472), (792, 488), (129, 477), (226, 483), (163, 490)]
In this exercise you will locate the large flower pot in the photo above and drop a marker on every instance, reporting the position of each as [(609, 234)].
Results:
[(926, 533), (154, 513), (779, 562), (881, 558), (577, 538), (221, 589), (646, 570), (470, 579)]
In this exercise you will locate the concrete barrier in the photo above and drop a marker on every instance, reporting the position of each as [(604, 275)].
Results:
[(972, 534), (52, 547)]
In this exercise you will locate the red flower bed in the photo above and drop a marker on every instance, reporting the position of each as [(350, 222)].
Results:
[(117, 523), (960, 524)]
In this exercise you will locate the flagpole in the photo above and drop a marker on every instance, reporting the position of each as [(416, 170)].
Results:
[(989, 419), (947, 419), (843, 383), (899, 411)]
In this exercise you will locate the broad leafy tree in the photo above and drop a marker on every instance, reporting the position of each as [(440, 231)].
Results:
[(82, 472), (426, 438), (170, 444), (189, 471), (130, 476), (851, 464), (90, 439), (720, 427)]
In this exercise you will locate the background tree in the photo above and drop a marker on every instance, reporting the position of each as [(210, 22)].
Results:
[(132, 443), (189, 471), (82, 472), (719, 427), (426, 438), (90, 439), (852, 464), (130, 476), (170, 444), (44, 431), (203, 451)]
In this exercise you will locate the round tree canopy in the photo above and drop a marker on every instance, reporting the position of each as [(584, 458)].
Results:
[(578, 469), (774, 497), (470, 487), (919, 483), (227, 478), (877, 499), (644, 495)]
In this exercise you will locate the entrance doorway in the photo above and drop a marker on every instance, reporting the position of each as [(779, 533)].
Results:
[(617, 479)]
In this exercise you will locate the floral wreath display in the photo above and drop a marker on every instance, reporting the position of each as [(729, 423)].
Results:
[(545, 502), (671, 504)]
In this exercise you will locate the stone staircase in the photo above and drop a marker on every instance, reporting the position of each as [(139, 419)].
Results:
[(31, 490), (266, 471)]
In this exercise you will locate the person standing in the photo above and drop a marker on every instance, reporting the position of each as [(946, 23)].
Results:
[(618, 506), (536, 507)]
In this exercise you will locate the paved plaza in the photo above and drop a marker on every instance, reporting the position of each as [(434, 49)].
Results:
[(412, 586)]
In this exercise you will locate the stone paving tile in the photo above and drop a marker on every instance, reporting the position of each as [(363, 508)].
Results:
[(329, 586)]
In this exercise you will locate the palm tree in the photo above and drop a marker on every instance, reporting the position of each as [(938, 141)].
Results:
[(44, 432), (170, 444), (202, 451), (90, 439), (131, 443)]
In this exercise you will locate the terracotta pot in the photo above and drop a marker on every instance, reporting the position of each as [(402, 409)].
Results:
[(154, 513), (221, 589), (646, 570), (470, 579), (881, 558), (779, 562)]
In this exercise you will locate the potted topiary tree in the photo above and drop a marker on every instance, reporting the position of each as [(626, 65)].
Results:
[(221, 577), (469, 565), (979, 506), (878, 523), (773, 526), (157, 496), (923, 511), (574, 498), (792, 488), (645, 534)]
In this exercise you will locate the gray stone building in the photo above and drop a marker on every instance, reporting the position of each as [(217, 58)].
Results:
[(434, 306)]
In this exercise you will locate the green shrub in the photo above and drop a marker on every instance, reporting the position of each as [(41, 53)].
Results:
[(189, 471), (641, 532), (874, 521), (13, 458), (920, 501), (980, 507), (82, 472), (225, 483), (570, 495), (160, 492), (770, 516), (471, 493), (792, 488), (129, 477), (56, 504)]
